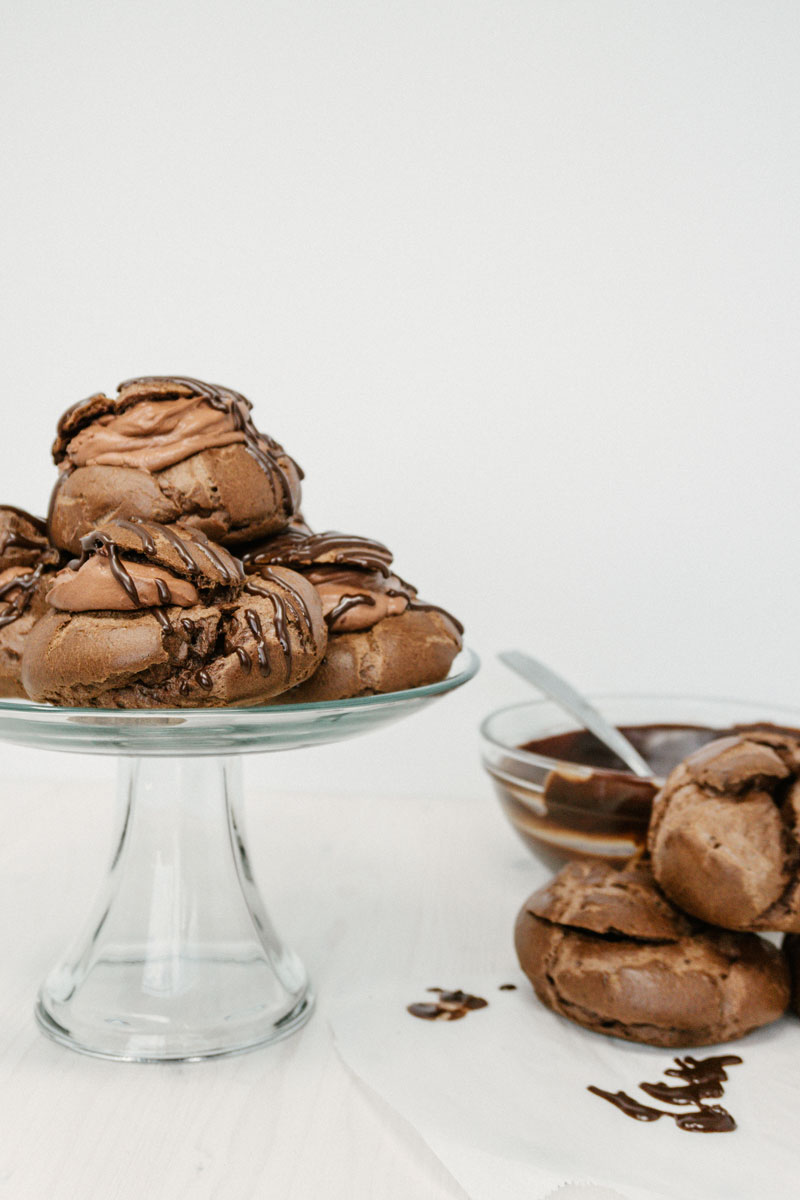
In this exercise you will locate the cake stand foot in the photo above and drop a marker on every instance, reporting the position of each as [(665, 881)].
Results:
[(180, 961)]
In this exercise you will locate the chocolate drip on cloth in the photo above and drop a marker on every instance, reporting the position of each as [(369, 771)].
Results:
[(263, 448), (626, 1104), (451, 1006), (702, 1080)]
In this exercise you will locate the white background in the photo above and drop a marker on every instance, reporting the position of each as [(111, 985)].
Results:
[(515, 280), (517, 283)]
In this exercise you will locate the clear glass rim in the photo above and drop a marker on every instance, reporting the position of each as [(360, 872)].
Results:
[(467, 661), (542, 760)]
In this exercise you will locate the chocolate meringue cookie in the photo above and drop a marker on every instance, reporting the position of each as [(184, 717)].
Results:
[(605, 949), (791, 949), (23, 539), (156, 616), (27, 565), (382, 637), (724, 833), (170, 449)]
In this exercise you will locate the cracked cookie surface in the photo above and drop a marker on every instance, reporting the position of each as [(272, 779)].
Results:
[(724, 834), (605, 949)]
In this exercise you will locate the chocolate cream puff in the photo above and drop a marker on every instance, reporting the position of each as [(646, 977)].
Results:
[(605, 949), (170, 449), (27, 565), (155, 616), (381, 636), (724, 833)]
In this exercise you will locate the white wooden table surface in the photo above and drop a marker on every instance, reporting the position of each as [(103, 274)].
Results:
[(365, 889)]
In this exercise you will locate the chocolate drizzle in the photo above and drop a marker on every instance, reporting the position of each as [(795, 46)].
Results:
[(296, 547), (38, 524), (702, 1080), (282, 631), (230, 571), (302, 550), (138, 527), (181, 548), (162, 591), (292, 603), (104, 545), (18, 541), (254, 624), (451, 1006), (16, 594), (422, 606), (345, 604), (295, 599), (162, 619), (262, 447)]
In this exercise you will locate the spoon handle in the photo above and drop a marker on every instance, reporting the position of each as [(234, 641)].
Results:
[(553, 685)]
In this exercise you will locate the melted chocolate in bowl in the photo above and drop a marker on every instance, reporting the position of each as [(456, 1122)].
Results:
[(599, 810)]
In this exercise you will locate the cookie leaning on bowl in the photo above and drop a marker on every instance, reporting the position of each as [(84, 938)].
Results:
[(605, 949), (170, 449), (27, 565), (156, 616), (724, 833), (382, 637)]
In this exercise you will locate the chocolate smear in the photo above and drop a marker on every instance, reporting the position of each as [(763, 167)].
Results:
[(702, 1080), (451, 1006)]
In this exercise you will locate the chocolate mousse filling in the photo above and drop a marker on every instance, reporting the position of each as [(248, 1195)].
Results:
[(351, 573), (153, 435)]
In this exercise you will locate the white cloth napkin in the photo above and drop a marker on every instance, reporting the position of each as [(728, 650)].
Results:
[(500, 1096)]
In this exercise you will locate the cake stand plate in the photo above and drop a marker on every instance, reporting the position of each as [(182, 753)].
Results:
[(179, 960)]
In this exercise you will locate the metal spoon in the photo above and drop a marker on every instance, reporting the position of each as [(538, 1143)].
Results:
[(553, 685)]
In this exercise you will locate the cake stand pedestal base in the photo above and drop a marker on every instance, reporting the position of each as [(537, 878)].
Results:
[(179, 961)]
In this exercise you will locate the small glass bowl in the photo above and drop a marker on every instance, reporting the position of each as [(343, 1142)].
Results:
[(564, 810)]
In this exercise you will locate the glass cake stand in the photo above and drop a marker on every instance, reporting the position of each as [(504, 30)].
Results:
[(179, 960)]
